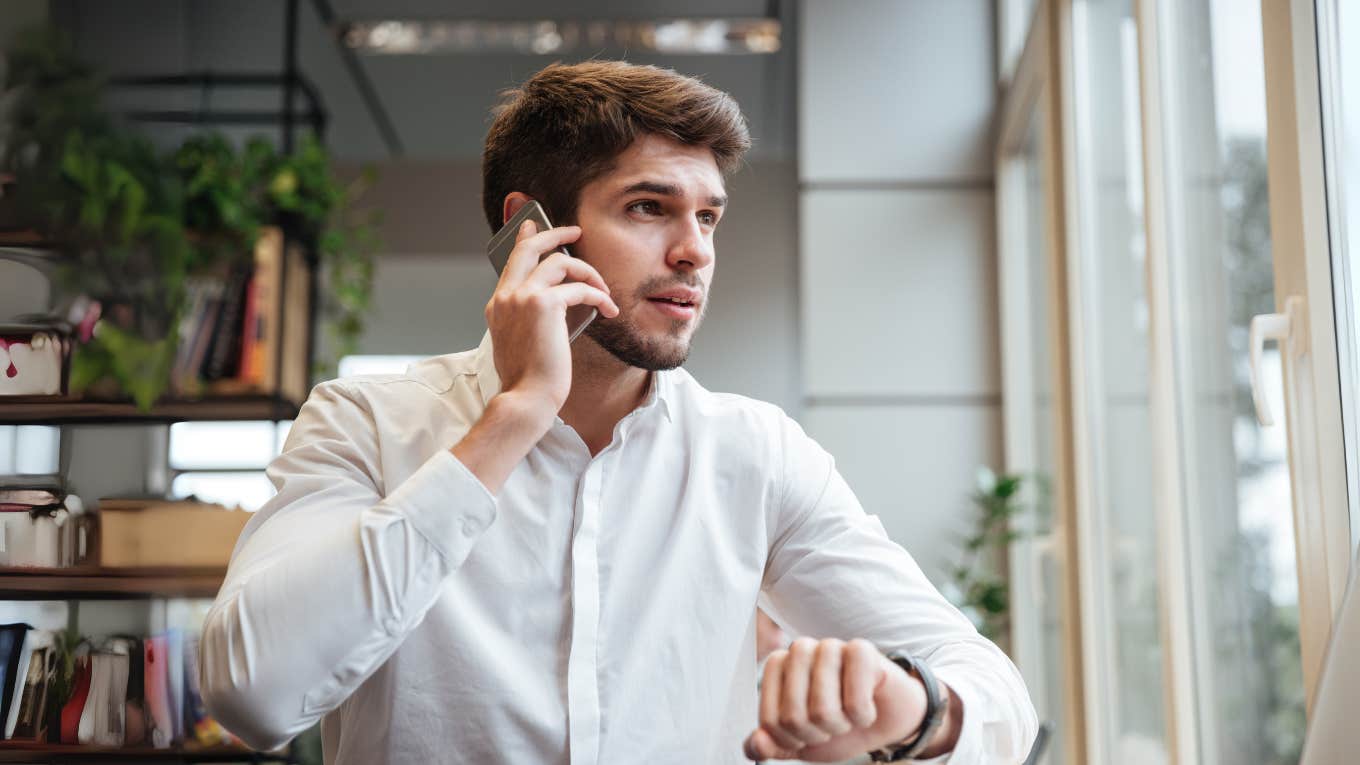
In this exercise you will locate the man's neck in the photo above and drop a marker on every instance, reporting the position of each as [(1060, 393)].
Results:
[(603, 391)]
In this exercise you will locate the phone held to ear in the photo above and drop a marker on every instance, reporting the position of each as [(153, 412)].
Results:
[(498, 250)]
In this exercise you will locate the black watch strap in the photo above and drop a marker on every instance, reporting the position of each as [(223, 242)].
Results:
[(916, 743)]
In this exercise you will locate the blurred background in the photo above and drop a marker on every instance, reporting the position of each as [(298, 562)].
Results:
[(1001, 258)]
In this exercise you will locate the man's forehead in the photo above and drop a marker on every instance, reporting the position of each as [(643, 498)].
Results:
[(663, 161)]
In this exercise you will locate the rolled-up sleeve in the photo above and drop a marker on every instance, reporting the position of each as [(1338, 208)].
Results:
[(332, 573), (833, 572)]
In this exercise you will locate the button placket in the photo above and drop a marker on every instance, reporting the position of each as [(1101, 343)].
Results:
[(583, 693)]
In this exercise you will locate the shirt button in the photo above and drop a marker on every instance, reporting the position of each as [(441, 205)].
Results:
[(471, 527), (392, 625)]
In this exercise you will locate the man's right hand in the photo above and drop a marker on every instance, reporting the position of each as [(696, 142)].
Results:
[(527, 314)]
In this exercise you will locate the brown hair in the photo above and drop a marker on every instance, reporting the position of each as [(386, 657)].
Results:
[(565, 126)]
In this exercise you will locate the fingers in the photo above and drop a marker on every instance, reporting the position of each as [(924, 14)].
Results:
[(577, 293), (859, 679), (771, 696), (793, 708), (530, 246), (559, 267), (824, 693)]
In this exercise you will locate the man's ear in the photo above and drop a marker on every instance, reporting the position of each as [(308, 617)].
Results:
[(513, 201)]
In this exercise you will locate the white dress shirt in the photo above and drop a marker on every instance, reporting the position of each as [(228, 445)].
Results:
[(598, 610)]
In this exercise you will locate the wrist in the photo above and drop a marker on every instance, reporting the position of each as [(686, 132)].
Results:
[(534, 413), (931, 699)]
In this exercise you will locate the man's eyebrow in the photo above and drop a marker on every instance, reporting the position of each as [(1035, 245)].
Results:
[(666, 190)]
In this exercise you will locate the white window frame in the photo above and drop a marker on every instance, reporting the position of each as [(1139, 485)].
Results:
[(1034, 88), (1301, 247), (1323, 472)]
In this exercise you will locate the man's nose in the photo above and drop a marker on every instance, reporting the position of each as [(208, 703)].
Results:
[(692, 248)]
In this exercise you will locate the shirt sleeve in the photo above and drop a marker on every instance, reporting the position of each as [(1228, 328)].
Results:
[(833, 572), (332, 573)]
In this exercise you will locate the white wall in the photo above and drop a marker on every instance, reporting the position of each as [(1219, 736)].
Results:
[(897, 257)]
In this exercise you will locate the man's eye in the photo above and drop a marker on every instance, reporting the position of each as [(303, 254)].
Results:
[(646, 206), (708, 218)]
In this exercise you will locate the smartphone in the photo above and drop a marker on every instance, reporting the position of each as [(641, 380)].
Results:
[(498, 250)]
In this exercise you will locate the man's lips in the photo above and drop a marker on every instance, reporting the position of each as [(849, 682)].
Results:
[(679, 295), (682, 311), (679, 303)]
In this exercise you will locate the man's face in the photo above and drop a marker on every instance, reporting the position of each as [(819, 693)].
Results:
[(647, 227)]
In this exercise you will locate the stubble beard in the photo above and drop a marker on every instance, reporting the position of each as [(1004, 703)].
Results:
[(625, 341)]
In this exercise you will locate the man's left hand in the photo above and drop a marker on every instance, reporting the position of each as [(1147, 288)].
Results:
[(829, 700)]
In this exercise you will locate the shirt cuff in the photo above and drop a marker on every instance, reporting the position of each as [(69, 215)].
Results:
[(447, 504)]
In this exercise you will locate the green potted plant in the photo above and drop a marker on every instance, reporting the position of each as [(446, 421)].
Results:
[(131, 225), (980, 581)]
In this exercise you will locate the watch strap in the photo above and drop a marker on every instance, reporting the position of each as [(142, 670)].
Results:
[(916, 743)]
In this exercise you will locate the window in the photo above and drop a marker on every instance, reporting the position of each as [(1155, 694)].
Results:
[(1113, 419), (30, 450), (224, 462)]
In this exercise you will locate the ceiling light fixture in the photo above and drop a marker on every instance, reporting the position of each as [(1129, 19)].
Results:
[(675, 36)]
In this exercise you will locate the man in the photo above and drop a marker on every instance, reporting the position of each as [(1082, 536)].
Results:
[(549, 552)]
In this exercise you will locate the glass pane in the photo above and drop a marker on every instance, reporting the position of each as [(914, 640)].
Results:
[(1114, 315), (1244, 582), (1341, 89), (208, 445), (1046, 543), (30, 449), (248, 490)]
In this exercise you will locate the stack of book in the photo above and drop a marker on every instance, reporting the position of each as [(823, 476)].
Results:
[(116, 691), (237, 328), (41, 525)]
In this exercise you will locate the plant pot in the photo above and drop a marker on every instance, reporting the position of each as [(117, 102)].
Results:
[(117, 364), (35, 359)]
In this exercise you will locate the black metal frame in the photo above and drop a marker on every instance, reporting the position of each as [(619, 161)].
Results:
[(314, 115)]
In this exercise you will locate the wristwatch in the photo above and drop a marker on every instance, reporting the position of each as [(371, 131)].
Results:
[(914, 744)]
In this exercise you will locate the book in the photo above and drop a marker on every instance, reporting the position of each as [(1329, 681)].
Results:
[(261, 337), (225, 353), (158, 724), (31, 497), (199, 727), (294, 378), (74, 708), (33, 642), (135, 729), (276, 342), (30, 724), (12, 638), (174, 682), (188, 376), (102, 721)]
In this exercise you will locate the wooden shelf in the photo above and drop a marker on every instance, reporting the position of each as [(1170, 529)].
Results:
[(29, 751), (67, 410), (24, 239), (95, 583)]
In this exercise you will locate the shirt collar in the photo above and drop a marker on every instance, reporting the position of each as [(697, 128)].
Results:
[(662, 390)]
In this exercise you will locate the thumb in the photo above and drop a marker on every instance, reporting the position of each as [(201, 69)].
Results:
[(761, 746)]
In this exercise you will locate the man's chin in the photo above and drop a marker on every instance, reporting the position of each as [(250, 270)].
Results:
[(653, 352)]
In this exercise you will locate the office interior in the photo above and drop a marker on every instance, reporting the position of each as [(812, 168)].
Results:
[(1103, 254)]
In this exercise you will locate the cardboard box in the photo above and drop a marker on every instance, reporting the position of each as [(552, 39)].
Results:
[(141, 534)]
